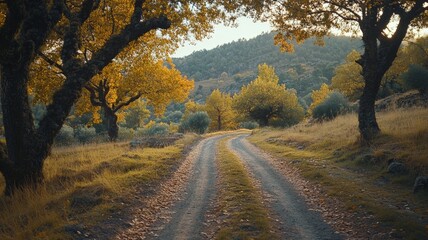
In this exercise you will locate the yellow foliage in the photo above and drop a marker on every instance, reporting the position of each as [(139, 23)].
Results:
[(192, 107), (219, 107), (264, 99), (318, 96), (348, 78)]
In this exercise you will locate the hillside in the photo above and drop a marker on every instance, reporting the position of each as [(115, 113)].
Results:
[(234, 64)]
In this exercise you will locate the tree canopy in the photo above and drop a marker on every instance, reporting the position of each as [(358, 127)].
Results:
[(219, 107), (79, 39), (264, 99), (383, 25)]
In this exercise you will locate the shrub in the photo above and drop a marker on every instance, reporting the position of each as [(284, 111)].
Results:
[(416, 78), (84, 134), (65, 135), (175, 116), (126, 133), (331, 107), (197, 122), (157, 129), (249, 125)]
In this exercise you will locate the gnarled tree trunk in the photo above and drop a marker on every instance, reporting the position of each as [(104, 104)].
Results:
[(112, 128)]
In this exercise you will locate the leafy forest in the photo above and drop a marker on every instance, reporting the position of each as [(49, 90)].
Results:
[(99, 122)]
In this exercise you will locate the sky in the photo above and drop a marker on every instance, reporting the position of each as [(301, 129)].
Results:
[(247, 29)]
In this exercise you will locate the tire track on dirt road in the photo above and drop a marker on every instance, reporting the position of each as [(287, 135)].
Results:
[(298, 222), (187, 221)]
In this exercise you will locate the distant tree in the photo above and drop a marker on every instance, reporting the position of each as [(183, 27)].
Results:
[(192, 107), (113, 91), (219, 107), (348, 78), (175, 116), (264, 99), (350, 82), (136, 115), (332, 106), (318, 96), (383, 25), (197, 122), (417, 78), (417, 51)]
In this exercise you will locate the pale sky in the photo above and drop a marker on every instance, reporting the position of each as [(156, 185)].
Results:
[(246, 29)]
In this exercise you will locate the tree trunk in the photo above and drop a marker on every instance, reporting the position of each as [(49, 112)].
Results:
[(219, 122), (112, 128), (366, 115), (372, 78), (22, 163)]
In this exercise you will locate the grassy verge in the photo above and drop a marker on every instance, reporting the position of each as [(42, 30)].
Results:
[(240, 201), (329, 153), (85, 187)]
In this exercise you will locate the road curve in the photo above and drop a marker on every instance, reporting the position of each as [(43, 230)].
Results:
[(188, 218), (298, 222)]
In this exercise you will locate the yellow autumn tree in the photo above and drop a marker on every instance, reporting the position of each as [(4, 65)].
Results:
[(318, 96), (192, 107), (381, 24), (347, 78), (117, 88), (219, 108), (350, 82), (79, 38), (266, 101)]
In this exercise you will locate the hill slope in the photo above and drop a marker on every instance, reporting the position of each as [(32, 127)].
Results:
[(235, 64)]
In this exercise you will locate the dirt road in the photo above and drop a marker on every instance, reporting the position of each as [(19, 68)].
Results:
[(297, 221), (188, 218), (188, 205)]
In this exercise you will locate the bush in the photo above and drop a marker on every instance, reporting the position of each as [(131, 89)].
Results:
[(249, 125), (156, 130), (197, 122), (65, 135), (331, 107), (416, 78), (126, 133), (175, 116), (84, 134)]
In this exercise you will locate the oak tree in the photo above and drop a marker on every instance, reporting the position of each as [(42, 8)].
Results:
[(219, 107), (74, 31), (264, 99), (382, 25)]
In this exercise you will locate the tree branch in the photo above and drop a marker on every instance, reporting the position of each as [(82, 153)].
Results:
[(48, 60), (93, 96), (129, 101), (10, 27)]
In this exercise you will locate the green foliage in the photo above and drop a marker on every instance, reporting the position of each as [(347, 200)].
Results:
[(417, 78), (156, 130), (65, 135), (334, 105), (175, 116), (84, 134), (304, 70), (126, 133), (197, 122), (135, 116), (249, 125)]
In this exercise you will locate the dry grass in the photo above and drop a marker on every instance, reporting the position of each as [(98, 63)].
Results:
[(84, 185), (330, 153), (239, 200)]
